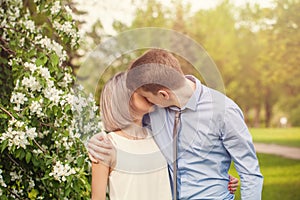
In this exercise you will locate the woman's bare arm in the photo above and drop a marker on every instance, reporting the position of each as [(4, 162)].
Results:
[(100, 173)]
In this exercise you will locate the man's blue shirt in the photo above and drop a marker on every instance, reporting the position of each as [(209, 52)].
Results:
[(212, 133)]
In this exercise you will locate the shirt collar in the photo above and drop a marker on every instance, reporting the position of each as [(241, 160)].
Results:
[(193, 101)]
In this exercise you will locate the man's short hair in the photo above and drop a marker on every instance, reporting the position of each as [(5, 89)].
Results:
[(154, 70)]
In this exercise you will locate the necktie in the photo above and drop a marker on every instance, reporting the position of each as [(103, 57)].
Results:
[(175, 152)]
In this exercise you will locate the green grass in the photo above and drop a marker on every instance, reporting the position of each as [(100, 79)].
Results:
[(282, 136), (281, 177)]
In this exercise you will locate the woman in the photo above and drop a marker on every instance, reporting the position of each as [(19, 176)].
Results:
[(140, 172)]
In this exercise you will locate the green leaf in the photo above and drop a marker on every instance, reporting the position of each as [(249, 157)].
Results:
[(28, 156), (49, 161), (80, 161), (22, 154), (60, 76), (4, 145), (54, 60), (67, 108), (33, 193), (18, 153), (67, 192), (3, 116), (35, 161), (41, 61)]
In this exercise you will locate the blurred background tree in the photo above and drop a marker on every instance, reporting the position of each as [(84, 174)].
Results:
[(255, 48)]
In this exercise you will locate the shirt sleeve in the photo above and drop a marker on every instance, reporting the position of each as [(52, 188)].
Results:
[(238, 142)]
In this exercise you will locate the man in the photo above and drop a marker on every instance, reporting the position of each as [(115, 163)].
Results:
[(211, 132)]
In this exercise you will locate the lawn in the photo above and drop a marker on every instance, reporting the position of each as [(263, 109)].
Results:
[(281, 177), (282, 136)]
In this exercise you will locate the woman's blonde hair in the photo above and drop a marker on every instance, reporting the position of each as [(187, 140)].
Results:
[(115, 103)]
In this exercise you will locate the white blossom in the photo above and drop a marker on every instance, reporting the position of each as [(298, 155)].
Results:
[(10, 62), (31, 132), (14, 176), (57, 122), (50, 83), (66, 80), (32, 67), (45, 72), (31, 184), (37, 151), (17, 108), (21, 42), (53, 94), (80, 87), (3, 23), (2, 183), (17, 138), (61, 171), (19, 124), (60, 52), (35, 107), (66, 27), (31, 83), (43, 134), (51, 45), (18, 98), (66, 143), (12, 122), (69, 10), (70, 158), (29, 24), (79, 103), (70, 98), (55, 8)]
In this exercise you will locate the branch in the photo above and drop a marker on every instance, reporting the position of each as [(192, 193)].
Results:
[(41, 148), (15, 162), (16, 195), (48, 125), (7, 112), (6, 49)]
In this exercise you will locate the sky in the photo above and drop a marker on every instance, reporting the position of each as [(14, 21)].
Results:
[(109, 10)]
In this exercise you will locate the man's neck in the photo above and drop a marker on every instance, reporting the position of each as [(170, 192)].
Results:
[(184, 93)]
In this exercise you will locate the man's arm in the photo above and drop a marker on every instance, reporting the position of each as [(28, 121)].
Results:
[(238, 142)]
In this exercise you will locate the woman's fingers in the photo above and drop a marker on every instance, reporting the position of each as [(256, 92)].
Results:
[(233, 184)]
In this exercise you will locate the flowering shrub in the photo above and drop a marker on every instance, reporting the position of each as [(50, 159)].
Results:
[(43, 117)]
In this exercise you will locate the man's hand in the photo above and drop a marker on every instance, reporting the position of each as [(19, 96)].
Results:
[(100, 148), (233, 184)]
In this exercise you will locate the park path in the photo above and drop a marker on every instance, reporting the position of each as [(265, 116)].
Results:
[(288, 152)]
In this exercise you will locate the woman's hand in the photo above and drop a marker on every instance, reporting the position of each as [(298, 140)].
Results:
[(233, 184)]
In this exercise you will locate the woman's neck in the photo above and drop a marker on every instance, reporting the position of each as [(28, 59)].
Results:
[(135, 131)]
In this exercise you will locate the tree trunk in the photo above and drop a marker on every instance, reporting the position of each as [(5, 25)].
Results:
[(257, 116), (246, 115), (268, 107)]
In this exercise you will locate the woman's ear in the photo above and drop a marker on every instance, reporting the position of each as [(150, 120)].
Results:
[(164, 94)]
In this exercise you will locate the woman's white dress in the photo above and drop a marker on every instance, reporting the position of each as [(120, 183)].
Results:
[(141, 171)]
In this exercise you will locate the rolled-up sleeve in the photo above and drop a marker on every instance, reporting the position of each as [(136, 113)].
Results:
[(238, 142)]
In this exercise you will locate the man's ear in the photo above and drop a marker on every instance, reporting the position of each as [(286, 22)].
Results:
[(164, 94)]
